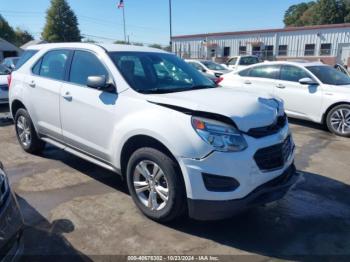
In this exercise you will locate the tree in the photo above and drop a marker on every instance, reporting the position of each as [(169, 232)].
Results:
[(318, 13), (6, 31), (295, 12), (61, 23), (22, 37), (156, 46)]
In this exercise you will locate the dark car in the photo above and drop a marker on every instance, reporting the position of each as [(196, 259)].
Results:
[(11, 221)]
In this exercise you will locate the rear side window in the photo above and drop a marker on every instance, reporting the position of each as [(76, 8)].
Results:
[(52, 64), (271, 72), (293, 73), (249, 60), (85, 64), (26, 55)]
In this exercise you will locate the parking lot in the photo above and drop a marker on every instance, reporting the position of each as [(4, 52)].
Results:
[(73, 207)]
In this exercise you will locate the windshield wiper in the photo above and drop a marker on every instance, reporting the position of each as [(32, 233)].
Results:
[(172, 90)]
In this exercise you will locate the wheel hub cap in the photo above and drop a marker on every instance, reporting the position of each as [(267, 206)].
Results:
[(23, 131), (340, 120), (150, 185)]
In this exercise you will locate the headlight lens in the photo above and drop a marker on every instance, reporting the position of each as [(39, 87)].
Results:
[(221, 136)]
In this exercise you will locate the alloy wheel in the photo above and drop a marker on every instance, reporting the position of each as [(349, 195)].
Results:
[(340, 120), (151, 185), (23, 131)]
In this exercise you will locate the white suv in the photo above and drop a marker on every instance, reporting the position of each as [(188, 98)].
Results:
[(310, 91), (181, 143)]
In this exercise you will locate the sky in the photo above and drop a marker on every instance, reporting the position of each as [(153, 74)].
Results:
[(147, 21)]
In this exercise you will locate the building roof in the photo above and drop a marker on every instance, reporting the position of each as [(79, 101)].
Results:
[(265, 31), (33, 42), (7, 46)]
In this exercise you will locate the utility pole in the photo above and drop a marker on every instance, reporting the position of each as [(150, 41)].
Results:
[(125, 38), (171, 25)]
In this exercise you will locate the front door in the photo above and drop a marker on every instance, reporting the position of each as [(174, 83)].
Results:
[(87, 114), (302, 101)]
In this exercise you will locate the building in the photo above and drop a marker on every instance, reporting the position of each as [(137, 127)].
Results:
[(8, 50), (329, 43)]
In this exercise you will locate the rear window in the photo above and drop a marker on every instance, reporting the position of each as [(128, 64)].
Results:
[(28, 54)]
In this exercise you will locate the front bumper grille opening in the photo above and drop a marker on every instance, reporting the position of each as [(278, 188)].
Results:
[(217, 183), (274, 157)]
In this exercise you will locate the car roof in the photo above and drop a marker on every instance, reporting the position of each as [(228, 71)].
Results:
[(296, 63), (107, 47)]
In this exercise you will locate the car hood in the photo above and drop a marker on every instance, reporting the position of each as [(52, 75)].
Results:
[(245, 109)]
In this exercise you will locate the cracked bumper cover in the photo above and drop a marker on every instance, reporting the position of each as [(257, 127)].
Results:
[(266, 193)]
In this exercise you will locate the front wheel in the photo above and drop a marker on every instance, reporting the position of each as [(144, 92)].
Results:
[(156, 185), (338, 120)]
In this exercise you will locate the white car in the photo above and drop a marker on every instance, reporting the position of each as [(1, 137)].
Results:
[(311, 91), (4, 72), (240, 62), (209, 67), (180, 143)]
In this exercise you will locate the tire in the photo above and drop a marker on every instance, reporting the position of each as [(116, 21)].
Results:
[(338, 120), (168, 177), (26, 134)]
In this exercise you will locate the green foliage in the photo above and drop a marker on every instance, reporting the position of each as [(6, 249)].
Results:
[(22, 37), (17, 37), (6, 31), (156, 46), (318, 13), (61, 23)]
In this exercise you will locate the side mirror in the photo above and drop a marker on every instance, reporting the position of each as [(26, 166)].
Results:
[(97, 82), (204, 70), (307, 81)]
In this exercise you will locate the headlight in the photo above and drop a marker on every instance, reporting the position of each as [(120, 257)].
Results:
[(221, 136)]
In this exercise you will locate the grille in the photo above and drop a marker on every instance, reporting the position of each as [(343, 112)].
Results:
[(274, 157), (269, 130)]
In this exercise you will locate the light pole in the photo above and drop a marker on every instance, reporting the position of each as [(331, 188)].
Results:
[(171, 25)]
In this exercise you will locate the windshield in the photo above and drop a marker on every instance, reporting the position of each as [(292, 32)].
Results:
[(148, 72), (213, 66), (4, 70), (329, 75), (248, 60)]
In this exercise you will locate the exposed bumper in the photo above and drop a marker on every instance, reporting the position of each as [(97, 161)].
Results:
[(266, 193)]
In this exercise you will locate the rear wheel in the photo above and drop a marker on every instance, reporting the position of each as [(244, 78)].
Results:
[(155, 184), (26, 133)]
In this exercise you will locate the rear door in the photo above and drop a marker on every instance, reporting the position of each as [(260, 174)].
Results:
[(303, 101), (45, 86), (87, 114), (260, 78)]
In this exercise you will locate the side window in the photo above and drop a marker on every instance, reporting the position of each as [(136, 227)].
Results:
[(28, 54), (233, 61), (52, 65), (293, 73), (271, 72), (85, 64), (197, 66), (244, 72)]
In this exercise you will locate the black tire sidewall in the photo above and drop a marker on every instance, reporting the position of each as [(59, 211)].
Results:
[(176, 201), (328, 121), (36, 145)]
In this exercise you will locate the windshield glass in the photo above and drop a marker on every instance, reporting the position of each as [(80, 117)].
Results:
[(4, 70), (213, 66), (329, 75), (148, 72), (248, 60)]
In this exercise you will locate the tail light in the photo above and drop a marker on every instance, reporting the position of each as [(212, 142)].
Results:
[(219, 80), (9, 80)]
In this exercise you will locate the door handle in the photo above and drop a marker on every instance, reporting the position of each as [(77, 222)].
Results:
[(281, 86), (247, 82), (32, 83), (67, 96)]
